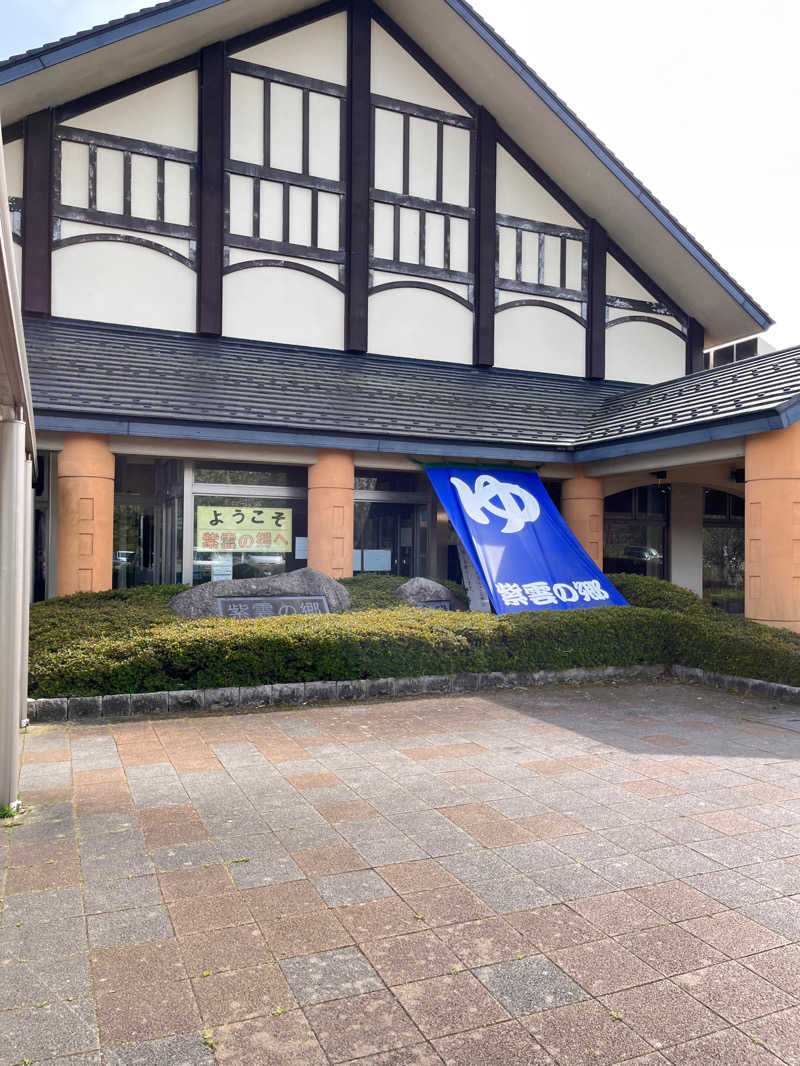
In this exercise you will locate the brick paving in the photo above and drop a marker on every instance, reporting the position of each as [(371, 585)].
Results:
[(581, 877)]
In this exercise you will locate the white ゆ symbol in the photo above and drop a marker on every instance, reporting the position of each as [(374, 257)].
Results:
[(516, 505)]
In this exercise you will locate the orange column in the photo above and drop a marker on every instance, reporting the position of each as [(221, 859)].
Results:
[(772, 527), (85, 514), (582, 510), (331, 513)]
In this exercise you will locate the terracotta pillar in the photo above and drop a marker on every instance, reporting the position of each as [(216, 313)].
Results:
[(772, 527), (331, 513), (582, 510), (85, 514)]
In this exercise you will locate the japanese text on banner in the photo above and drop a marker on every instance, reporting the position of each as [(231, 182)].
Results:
[(244, 529)]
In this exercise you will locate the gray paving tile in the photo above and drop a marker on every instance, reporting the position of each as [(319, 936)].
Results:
[(731, 887), (628, 871), (361, 886), (43, 1032), (183, 856), (585, 846), (134, 863), (45, 775), (525, 986), (24, 984), (393, 849), (43, 940), (681, 861), (515, 894), (102, 824), (434, 833), (329, 975), (782, 916), (572, 882), (479, 864), (121, 894), (43, 906), (140, 924), (784, 877), (187, 1050), (264, 870), (538, 855)]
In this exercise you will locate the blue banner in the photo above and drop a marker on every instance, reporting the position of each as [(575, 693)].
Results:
[(526, 555)]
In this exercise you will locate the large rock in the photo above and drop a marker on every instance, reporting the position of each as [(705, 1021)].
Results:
[(202, 601), (422, 592)]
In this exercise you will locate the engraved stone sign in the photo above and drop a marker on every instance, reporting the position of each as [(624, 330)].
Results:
[(270, 606)]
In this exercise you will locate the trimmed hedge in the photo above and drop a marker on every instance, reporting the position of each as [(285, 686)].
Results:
[(129, 641)]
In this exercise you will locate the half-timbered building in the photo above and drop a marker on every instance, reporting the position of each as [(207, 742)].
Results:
[(274, 256)]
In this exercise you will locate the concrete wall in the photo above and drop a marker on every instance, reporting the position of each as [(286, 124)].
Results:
[(686, 537)]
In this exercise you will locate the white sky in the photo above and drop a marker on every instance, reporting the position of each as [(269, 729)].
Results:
[(699, 98)]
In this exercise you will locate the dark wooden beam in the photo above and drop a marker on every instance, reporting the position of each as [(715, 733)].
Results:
[(211, 188), (596, 310), (358, 134), (695, 341), (36, 221), (485, 238)]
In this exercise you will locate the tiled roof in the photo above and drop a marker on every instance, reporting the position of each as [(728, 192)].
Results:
[(89, 370)]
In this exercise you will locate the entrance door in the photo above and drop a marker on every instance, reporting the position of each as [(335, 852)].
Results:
[(386, 538)]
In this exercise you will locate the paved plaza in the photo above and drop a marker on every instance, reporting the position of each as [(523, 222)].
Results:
[(582, 877)]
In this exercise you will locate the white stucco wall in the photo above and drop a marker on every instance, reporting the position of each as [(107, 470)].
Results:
[(165, 114), (318, 50), (13, 157), (521, 195), (397, 74), (420, 324), (283, 306), (541, 339), (644, 352), (124, 283)]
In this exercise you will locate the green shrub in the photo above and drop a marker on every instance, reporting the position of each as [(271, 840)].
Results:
[(129, 641), (380, 590)]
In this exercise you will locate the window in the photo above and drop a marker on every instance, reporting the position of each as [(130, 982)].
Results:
[(723, 550), (248, 520), (635, 532)]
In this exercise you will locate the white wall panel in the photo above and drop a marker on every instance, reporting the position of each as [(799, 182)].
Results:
[(434, 239), (13, 155), (521, 195), (123, 283), (541, 339), (299, 215), (75, 174), (247, 119), (17, 255), (388, 150), (110, 168), (455, 165), (165, 114), (409, 235), (507, 252), (420, 324), (241, 205), (272, 304), (530, 257), (324, 130), (574, 278), (459, 245), (552, 261), (315, 51), (395, 73), (620, 283), (177, 193), (422, 158), (328, 221), (271, 211), (644, 352), (144, 186), (383, 231), (286, 128)]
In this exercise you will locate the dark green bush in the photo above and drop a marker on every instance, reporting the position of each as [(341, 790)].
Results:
[(130, 641)]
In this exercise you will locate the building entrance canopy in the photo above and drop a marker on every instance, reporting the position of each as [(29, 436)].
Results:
[(525, 553)]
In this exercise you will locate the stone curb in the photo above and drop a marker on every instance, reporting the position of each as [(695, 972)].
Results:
[(748, 686), (287, 695)]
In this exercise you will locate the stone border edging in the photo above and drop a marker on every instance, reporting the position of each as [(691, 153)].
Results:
[(748, 686), (293, 695), (287, 695)]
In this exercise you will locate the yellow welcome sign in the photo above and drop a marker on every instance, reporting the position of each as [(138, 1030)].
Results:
[(244, 529)]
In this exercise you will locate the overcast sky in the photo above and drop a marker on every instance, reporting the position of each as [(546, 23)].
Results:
[(700, 98)]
